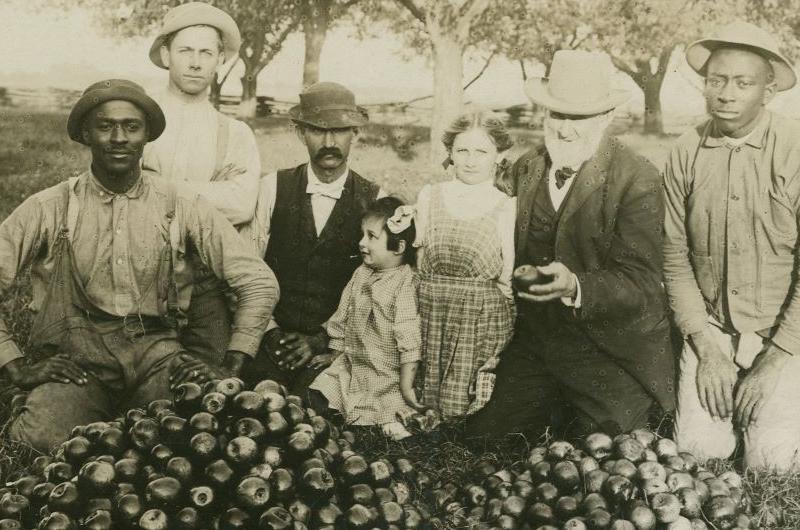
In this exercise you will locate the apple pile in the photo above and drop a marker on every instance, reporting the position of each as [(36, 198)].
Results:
[(635, 481), (218, 457)]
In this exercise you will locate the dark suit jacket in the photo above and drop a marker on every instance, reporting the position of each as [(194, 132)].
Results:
[(609, 235)]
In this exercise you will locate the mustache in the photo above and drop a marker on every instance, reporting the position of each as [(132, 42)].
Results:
[(327, 151)]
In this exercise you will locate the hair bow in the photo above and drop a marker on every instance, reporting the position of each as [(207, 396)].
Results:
[(401, 219)]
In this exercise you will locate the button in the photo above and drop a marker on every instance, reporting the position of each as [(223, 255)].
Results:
[(738, 149), (119, 261), (735, 197), (734, 291), (118, 230)]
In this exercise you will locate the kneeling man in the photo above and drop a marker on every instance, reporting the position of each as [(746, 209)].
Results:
[(730, 256), (108, 254), (592, 347)]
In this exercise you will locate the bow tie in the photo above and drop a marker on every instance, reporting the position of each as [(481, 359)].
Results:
[(563, 175), (326, 190)]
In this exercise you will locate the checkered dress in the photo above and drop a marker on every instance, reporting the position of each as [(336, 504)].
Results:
[(376, 327), (466, 319)]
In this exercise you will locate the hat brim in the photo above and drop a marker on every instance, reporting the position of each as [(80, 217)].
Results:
[(538, 92), (330, 118), (231, 40), (698, 53), (153, 114)]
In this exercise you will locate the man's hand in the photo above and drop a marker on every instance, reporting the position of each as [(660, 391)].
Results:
[(561, 285), (58, 368), (759, 385), (189, 368), (322, 361), (717, 375), (296, 349)]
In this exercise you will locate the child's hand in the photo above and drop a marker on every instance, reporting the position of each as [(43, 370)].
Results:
[(321, 361), (410, 396)]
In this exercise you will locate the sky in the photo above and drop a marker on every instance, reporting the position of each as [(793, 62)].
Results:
[(54, 48)]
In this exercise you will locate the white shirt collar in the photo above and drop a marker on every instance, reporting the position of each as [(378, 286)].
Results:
[(336, 185)]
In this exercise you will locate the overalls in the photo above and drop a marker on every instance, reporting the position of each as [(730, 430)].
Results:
[(128, 359)]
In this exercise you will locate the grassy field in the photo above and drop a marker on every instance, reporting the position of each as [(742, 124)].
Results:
[(35, 152)]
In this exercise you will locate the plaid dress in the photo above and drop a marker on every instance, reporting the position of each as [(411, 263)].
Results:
[(466, 318), (376, 328)]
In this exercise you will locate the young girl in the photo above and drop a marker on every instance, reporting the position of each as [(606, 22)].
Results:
[(466, 258), (375, 332)]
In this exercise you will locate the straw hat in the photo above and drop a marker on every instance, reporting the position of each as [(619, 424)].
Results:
[(197, 14)]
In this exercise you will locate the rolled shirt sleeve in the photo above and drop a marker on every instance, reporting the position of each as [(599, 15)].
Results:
[(227, 255), (22, 236)]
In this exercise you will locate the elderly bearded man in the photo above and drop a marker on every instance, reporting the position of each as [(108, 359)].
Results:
[(106, 251), (215, 155), (592, 342), (730, 256)]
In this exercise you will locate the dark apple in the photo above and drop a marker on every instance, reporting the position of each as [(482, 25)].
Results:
[(234, 519), (158, 405), (526, 275), (273, 456), (214, 403), (559, 449), (203, 447), (58, 472), (230, 386), (252, 493), (594, 480), (384, 495), (41, 492), (355, 470), (276, 426), (546, 493), (566, 476), (96, 477), (64, 498), (282, 484), (98, 520), (250, 427), (173, 429), (599, 445), (99, 503), (327, 514), (219, 474), (721, 512), (77, 449), (160, 454), (539, 514), (242, 451), (56, 521), (299, 446), (642, 517), (294, 414), (300, 511), (359, 517), (475, 495), (187, 518), (361, 494), (273, 402), (322, 429), (630, 449), (154, 519), (268, 386), (666, 506), (144, 434), (593, 501), (598, 519), (162, 492), (14, 506), (618, 489), (317, 483), (514, 506), (180, 468), (276, 518), (247, 403), (112, 441), (566, 507), (625, 468)]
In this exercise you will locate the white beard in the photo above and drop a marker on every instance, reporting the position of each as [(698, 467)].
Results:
[(573, 153)]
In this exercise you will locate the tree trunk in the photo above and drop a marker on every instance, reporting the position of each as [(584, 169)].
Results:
[(448, 76), (247, 106), (315, 29), (653, 118)]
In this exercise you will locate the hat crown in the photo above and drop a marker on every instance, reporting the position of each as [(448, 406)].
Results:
[(742, 32), (579, 77), (327, 95), (113, 83)]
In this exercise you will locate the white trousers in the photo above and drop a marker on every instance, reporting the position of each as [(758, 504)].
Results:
[(772, 443)]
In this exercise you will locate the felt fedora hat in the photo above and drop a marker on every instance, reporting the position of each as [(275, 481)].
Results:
[(579, 84), (197, 14), (113, 90), (328, 106), (741, 34)]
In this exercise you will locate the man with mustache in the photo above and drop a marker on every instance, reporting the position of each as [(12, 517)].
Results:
[(215, 155), (591, 349), (730, 256), (314, 219), (108, 257)]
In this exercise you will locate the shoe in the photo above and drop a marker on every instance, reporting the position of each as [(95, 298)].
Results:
[(395, 430)]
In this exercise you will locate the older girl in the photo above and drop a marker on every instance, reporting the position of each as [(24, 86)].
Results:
[(465, 230)]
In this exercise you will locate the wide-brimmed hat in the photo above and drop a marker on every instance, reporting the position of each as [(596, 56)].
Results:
[(328, 106), (197, 14), (748, 36), (113, 90), (579, 84)]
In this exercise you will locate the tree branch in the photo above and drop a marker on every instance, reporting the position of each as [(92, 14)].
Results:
[(415, 10), (522, 67), (482, 70), (230, 69)]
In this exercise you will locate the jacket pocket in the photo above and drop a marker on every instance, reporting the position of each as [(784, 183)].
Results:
[(706, 276), (781, 222), (774, 283)]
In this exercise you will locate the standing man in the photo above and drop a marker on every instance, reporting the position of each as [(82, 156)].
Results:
[(108, 252), (592, 340), (215, 154), (315, 226), (733, 200)]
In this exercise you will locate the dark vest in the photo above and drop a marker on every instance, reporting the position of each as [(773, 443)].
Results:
[(313, 271)]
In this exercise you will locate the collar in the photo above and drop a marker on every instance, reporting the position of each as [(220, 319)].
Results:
[(327, 189), (714, 138), (105, 195), (176, 97)]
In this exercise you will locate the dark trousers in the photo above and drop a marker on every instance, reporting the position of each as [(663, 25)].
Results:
[(553, 375)]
